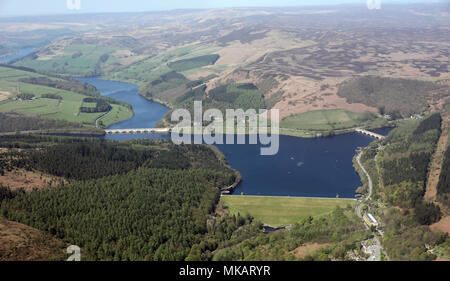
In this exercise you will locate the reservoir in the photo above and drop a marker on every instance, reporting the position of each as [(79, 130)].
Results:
[(310, 167), (146, 113), (20, 54)]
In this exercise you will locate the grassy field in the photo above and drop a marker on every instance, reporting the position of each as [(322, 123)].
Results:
[(152, 68), (118, 113), (323, 120), (278, 211), (68, 108), (74, 60)]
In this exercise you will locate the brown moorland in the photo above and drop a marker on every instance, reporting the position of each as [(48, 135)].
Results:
[(308, 249), (19, 242)]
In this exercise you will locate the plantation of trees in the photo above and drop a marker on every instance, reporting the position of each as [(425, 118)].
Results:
[(159, 85), (195, 94), (404, 162), (394, 96), (138, 200), (152, 214), (433, 122), (186, 64), (245, 96), (443, 188), (101, 106)]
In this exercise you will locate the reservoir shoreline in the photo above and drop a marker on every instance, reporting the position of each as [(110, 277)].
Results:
[(279, 196), (283, 131), (327, 167), (327, 170)]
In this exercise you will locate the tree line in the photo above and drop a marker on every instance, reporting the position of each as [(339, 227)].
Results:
[(68, 84), (100, 106), (12, 122), (443, 188), (137, 200), (404, 166)]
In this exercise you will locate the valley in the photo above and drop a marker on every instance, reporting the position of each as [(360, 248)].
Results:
[(329, 194)]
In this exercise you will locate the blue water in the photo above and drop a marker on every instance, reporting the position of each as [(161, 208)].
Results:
[(327, 168), (147, 113), (22, 53)]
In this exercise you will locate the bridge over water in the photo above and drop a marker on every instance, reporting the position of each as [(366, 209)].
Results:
[(369, 133), (167, 130), (137, 131)]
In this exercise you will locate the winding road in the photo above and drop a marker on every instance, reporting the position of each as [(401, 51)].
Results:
[(370, 185), (376, 248)]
